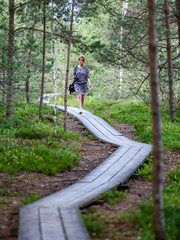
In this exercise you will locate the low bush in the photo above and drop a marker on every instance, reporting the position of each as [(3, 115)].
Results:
[(29, 144)]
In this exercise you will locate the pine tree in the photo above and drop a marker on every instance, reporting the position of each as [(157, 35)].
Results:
[(67, 68), (43, 62), (9, 108), (158, 221)]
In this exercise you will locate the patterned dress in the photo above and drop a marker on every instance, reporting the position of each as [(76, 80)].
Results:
[(81, 86)]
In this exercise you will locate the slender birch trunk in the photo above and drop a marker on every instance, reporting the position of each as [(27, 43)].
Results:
[(124, 11), (64, 66), (67, 68), (9, 108), (169, 62), (4, 78), (54, 66), (178, 17), (43, 64), (158, 218)]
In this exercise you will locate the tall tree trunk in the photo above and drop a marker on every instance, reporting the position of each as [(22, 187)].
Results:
[(67, 68), (54, 66), (3, 80), (64, 66), (9, 108), (169, 61), (178, 17), (43, 64), (158, 222), (124, 11), (29, 71), (28, 77)]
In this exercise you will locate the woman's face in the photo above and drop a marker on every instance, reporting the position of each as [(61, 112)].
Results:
[(81, 62)]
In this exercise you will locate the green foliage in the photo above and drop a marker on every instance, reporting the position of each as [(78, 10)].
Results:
[(146, 171), (171, 210), (28, 144), (33, 197), (113, 197), (95, 224)]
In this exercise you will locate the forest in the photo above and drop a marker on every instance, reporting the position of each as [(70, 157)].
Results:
[(132, 50)]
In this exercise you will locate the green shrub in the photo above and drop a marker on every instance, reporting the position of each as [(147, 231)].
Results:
[(146, 171), (46, 160), (28, 143), (113, 197), (95, 225), (171, 211), (30, 199)]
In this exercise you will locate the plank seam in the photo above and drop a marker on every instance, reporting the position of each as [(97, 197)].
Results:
[(62, 223)]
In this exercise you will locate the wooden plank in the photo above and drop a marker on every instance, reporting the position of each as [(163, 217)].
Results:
[(98, 121), (74, 224), (132, 165), (57, 198), (102, 122), (29, 224), (105, 165), (51, 224)]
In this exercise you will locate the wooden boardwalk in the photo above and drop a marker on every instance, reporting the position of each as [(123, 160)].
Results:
[(57, 217)]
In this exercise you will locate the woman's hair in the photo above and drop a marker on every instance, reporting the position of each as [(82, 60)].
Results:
[(83, 58)]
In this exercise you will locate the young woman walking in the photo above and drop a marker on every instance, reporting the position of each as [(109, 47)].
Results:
[(81, 85)]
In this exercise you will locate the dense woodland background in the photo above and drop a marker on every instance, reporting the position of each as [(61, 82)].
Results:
[(112, 35), (40, 43)]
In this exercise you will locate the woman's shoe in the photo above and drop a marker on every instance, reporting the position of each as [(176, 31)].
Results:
[(80, 111)]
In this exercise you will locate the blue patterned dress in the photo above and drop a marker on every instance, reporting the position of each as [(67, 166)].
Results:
[(81, 86)]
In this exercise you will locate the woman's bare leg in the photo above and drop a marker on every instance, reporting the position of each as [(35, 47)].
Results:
[(79, 100), (82, 100)]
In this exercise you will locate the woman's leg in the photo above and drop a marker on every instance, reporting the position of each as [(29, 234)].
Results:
[(79, 100), (82, 100)]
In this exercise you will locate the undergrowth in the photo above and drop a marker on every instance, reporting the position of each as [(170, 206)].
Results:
[(28, 143), (171, 211)]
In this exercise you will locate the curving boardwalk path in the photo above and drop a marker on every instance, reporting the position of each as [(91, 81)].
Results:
[(57, 217)]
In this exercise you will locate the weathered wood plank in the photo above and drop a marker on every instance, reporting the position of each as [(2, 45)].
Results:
[(51, 224), (29, 224), (73, 224)]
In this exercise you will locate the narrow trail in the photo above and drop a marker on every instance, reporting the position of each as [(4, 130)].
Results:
[(57, 216)]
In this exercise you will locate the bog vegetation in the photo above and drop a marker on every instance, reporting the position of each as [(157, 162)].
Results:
[(113, 36)]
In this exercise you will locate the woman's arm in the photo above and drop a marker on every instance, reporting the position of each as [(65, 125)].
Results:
[(90, 84)]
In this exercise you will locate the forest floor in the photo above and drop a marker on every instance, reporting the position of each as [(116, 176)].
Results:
[(93, 151)]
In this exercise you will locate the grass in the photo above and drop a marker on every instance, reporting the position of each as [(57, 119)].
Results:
[(171, 211), (29, 144), (33, 197), (146, 171), (113, 197), (95, 224)]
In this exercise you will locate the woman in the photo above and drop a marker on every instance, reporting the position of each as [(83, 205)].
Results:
[(81, 85)]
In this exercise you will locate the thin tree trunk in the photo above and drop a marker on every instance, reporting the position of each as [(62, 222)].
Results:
[(64, 66), (178, 17), (158, 219), (3, 80), (67, 68), (124, 11), (29, 72), (9, 108), (54, 67), (28, 77), (43, 64), (169, 62)]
